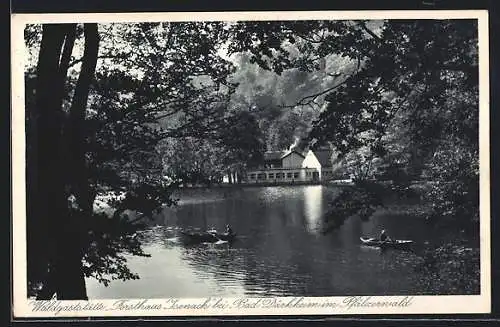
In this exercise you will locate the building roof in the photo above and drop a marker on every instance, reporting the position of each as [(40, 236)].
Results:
[(273, 155), (324, 157), (287, 153), (278, 155)]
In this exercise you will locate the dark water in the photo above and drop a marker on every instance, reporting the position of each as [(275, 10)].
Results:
[(280, 251)]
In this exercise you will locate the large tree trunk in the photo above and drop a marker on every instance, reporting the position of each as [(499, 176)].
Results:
[(71, 281), (49, 195), (76, 128), (53, 223)]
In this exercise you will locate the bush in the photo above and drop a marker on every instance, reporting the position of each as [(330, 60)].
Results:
[(451, 269)]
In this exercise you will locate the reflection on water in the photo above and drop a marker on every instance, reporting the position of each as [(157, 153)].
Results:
[(313, 207), (279, 251)]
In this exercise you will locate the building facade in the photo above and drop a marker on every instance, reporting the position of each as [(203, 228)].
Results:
[(289, 167)]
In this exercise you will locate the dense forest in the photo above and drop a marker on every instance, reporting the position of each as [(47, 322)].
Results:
[(137, 109)]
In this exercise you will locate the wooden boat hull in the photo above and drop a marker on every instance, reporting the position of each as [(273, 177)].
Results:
[(396, 244)]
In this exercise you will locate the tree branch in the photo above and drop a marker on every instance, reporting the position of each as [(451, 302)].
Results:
[(165, 115), (68, 48), (140, 217), (312, 97), (369, 31)]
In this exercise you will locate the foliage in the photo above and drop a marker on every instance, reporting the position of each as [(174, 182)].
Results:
[(191, 160), (397, 99), (287, 100), (453, 269), (107, 241), (455, 190), (233, 148), (360, 200), (414, 87), (407, 114), (417, 79), (151, 81), (242, 141)]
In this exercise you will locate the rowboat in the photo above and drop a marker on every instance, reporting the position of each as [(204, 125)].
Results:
[(398, 244), (208, 237)]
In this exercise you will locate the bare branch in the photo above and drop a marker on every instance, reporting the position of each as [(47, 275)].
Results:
[(307, 100), (369, 31), (312, 97), (305, 38)]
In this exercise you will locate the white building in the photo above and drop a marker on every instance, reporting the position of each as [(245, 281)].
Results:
[(288, 167)]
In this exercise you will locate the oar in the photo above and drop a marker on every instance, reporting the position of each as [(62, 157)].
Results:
[(215, 236), (219, 239), (212, 233)]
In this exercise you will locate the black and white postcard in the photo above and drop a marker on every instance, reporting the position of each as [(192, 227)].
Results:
[(250, 163)]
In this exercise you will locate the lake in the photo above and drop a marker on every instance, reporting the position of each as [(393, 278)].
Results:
[(280, 250)]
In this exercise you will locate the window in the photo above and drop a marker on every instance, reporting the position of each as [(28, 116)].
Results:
[(261, 176), (296, 175), (279, 175), (288, 175), (270, 175), (252, 176)]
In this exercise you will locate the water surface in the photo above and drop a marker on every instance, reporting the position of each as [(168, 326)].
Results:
[(280, 250)]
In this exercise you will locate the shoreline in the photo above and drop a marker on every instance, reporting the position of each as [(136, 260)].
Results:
[(270, 184)]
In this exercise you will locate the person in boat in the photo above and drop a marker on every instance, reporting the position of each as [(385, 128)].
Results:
[(212, 231), (384, 237), (229, 231)]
